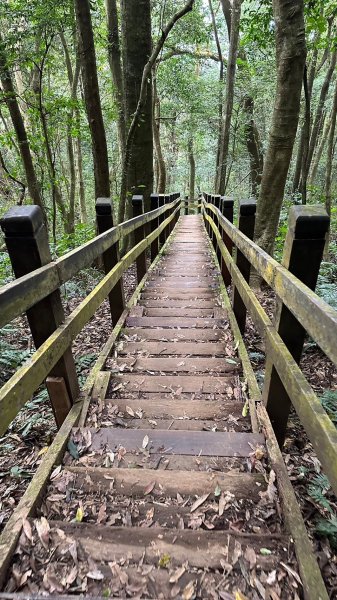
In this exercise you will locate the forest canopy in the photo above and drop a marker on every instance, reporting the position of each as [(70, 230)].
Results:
[(237, 97)]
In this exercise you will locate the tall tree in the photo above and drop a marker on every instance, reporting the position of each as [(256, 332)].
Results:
[(10, 97), (92, 98), (229, 98), (290, 60)]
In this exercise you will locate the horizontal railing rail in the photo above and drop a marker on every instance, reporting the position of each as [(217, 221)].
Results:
[(282, 358), (42, 302), (299, 298), (20, 295)]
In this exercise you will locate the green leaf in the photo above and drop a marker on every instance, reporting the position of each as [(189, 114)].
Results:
[(72, 449)]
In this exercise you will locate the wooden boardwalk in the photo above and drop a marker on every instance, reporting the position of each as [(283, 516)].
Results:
[(163, 493)]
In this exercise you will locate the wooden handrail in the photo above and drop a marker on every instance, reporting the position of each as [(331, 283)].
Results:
[(322, 324), (19, 389), (20, 295), (318, 425)]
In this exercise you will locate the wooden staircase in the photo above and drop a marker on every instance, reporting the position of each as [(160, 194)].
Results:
[(166, 492)]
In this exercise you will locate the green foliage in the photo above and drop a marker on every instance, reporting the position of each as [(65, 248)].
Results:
[(68, 241), (329, 403)]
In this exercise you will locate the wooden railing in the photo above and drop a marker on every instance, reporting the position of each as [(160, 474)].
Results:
[(299, 310), (36, 292)]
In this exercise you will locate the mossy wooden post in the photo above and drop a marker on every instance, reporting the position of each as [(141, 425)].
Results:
[(161, 219), (154, 203), (208, 201), (167, 214), (104, 221), (227, 208), (302, 256), (247, 210), (199, 204), (217, 204), (186, 205), (176, 196), (26, 239), (138, 209)]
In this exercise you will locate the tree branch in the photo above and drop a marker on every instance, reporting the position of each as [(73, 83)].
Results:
[(206, 54)]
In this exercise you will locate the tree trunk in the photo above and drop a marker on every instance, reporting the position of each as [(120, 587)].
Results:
[(306, 138), (92, 98), (115, 63), (191, 161), (253, 145), (328, 171), (318, 155), (229, 102), (320, 108), (136, 27), (20, 130), (303, 144), (290, 60), (221, 79), (160, 162), (252, 137)]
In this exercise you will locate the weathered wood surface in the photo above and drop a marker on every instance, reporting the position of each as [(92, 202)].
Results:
[(322, 325), (319, 427), (26, 380), (17, 297)]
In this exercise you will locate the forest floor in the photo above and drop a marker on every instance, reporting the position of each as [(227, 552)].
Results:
[(28, 438)]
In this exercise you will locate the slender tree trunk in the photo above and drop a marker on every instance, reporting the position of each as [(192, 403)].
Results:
[(303, 144), (306, 138), (252, 137), (318, 155), (290, 59), (115, 63), (79, 169), (191, 161), (160, 162), (320, 108), (221, 79), (328, 171), (253, 145), (228, 109), (136, 27), (92, 98), (20, 130)]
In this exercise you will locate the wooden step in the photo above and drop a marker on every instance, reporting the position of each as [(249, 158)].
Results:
[(180, 312), (174, 322), (171, 335), (203, 549), (159, 407), (160, 383), (172, 348), (177, 365), (189, 443), (173, 303), (135, 483)]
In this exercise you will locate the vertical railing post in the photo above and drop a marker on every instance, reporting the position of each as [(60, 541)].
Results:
[(207, 211), (217, 204), (176, 196), (104, 221), (154, 203), (186, 205), (227, 207), (199, 204), (302, 256), (247, 210), (161, 219), (26, 239), (138, 209), (167, 214)]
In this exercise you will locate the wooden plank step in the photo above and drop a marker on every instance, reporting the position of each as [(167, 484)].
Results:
[(167, 408), (208, 295), (133, 482), (172, 291), (203, 549), (170, 311), (163, 383), (208, 335), (174, 322), (177, 462), (169, 303), (171, 348), (179, 424), (190, 443), (175, 365), (180, 283)]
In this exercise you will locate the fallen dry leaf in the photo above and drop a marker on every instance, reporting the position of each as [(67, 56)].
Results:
[(42, 528), (199, 502)]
